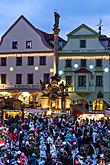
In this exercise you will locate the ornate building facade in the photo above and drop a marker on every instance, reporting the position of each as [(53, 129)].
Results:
[(84, 64)]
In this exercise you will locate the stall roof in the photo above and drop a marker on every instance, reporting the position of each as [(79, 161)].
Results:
[(30, 110), (60, 113), (106, 112)]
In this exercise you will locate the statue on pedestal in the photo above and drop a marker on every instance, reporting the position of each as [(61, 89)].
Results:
[(56, 16)]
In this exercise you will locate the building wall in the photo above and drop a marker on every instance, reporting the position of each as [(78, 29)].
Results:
[(23, 31), (25, 69), (93, 51)]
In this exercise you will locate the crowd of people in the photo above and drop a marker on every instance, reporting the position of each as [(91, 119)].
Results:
[(57, 140)]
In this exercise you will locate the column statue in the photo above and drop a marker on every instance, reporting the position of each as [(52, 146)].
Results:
[(56, 16)]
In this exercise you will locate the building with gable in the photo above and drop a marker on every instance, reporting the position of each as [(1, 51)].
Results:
[(84, 64), (26, 58)]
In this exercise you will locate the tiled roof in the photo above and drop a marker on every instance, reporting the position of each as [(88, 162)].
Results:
[(103, 37), (50, 36), (82, 70)]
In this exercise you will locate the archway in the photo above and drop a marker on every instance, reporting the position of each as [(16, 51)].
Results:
[(100, 105), (83, 102)]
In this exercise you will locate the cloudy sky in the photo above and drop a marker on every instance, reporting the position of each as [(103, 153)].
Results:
[(72, 12)]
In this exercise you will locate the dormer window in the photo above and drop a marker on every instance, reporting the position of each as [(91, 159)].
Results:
[(15, 45), (28, 44), (82, 43)]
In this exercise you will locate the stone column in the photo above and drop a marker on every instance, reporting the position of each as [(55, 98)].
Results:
[(56, 32)]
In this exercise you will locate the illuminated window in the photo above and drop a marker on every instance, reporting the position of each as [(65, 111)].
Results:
[(28, 44), (98, 105)]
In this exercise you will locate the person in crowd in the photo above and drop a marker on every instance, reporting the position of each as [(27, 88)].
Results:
[(54, 141)]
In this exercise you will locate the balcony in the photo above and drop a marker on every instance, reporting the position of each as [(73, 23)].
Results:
[(68, 69), (21, 88), (98, 88), (83, 89)]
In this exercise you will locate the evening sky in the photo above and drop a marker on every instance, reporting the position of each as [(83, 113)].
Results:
[(72, 14)]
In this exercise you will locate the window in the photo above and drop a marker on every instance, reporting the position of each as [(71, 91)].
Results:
[(82, 43), (99, 62), (28, 44), (42, 60), (68, 80), (3, 61), (29, 78), (14, 44), (3, 78), (46, 77), (18, 78), (83, 63), (30, 60), (81, 80), (68, 63), (18, 61), (99, 81)]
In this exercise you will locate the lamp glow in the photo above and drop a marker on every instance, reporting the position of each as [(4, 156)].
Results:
[(60, 72), (91, 66), (106, 69), (76, 65), (36, 68), (11, 69), (51, 70)]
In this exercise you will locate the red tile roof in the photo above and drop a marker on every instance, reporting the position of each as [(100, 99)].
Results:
[(82, 70), (103, 37)]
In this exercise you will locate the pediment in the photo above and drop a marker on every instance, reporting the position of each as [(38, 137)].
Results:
[(82, 30)]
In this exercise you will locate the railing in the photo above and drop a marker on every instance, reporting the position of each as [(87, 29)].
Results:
[(83, 89)]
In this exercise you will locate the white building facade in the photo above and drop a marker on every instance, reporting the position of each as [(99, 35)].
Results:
[(26, 58), (85, 66)]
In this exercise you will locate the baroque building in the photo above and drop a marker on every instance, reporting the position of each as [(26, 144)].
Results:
[(84, 64)]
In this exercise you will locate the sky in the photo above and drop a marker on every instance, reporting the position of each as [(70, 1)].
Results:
[(41, 14)]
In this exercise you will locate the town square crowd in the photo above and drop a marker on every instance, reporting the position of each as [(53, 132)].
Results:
[(58, 140)]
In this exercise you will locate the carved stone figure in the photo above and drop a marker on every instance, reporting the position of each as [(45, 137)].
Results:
[(57, 16)]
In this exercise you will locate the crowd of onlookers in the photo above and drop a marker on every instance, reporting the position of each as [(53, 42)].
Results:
[(58, 140)]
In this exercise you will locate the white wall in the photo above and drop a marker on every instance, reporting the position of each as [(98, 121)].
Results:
[(22, 32)]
